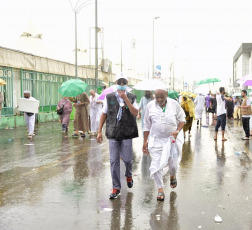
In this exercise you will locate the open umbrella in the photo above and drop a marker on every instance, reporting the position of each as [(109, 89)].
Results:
[(248, 81), (208, 80), (2, 82), (243, 78), (72, 88), (173, 94), (111, 89), (150, 85)]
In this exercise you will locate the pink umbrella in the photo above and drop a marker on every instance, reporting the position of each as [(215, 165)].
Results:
[(244, 78), (248, 81), (111, 89)]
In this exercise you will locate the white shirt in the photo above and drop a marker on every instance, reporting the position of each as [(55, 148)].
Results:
[(161, 123), (221, 104), (93, 104), (248, 103), (105, 104), (143, 103)]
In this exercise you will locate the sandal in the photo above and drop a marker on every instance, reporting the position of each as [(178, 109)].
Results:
[(245, 138), (160, 194), (173, 182)]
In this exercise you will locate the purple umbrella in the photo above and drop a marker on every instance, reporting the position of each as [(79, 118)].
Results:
[(244, 78), (111, 89), (248, 81)]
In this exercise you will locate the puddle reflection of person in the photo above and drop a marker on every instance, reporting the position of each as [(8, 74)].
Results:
[(31, 148), (116, 213), (161, 219), (221, 160), (245, 163)]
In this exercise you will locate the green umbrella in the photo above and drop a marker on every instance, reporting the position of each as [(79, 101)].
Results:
[(208, 80), (173, 94), (72, 88)]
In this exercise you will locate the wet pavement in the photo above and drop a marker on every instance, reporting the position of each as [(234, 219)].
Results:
[(55, 181)]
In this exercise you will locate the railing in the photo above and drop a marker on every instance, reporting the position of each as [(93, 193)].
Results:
[(44, 87)]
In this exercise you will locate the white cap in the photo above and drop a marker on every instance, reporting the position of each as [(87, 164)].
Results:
[(250, 94), (27, 91), (120, 75)]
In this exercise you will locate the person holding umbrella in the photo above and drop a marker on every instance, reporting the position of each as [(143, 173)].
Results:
[(76, 88), (119, 111), (65, 108)]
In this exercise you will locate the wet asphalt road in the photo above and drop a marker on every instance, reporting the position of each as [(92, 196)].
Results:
[(58, 182)]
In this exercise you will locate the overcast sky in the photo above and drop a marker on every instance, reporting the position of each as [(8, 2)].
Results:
[(207, 33)]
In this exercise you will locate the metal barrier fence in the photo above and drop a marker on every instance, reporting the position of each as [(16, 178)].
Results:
[(44, 87), (7, 75)]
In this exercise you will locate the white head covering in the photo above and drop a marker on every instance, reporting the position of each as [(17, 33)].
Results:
[(27, 91), (121, 75), (250, 94)]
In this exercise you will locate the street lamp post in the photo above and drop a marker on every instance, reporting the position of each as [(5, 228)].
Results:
[(173, 67), (153, 47), (76, 10), (96, 47)]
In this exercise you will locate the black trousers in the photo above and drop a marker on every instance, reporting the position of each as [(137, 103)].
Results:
[(245, 123)]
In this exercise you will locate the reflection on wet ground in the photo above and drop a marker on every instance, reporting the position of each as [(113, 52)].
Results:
[(55, 181)]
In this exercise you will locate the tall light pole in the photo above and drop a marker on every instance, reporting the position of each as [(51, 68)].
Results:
[(96, 47), (153, 47), (76, 9), (173, 67)]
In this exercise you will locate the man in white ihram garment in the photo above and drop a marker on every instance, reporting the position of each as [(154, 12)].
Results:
[(163, 121), (199, 107), (29, 117), (95, 111)]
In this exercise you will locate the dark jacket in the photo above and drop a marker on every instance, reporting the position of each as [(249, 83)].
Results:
[(126, 128)]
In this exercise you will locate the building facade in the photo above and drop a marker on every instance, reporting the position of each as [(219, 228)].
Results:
[(43, 77), (242, 66)]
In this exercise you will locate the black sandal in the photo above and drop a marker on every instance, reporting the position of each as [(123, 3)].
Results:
[(160, 194), (173, 182)]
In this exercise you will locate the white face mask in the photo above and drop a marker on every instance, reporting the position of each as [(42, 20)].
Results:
[(122, 87)]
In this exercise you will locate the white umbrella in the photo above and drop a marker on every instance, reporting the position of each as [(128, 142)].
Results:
[(244, 78), (150, 85)]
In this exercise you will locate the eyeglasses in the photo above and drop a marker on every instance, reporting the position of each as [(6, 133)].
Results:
[(120, 81)]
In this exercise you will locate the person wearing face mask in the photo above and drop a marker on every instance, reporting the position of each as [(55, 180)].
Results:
[(164, 119), (29, 117), (143, 103), (119, 111)]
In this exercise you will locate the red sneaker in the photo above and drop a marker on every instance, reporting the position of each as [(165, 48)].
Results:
[(129, 182), (114, 193)]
